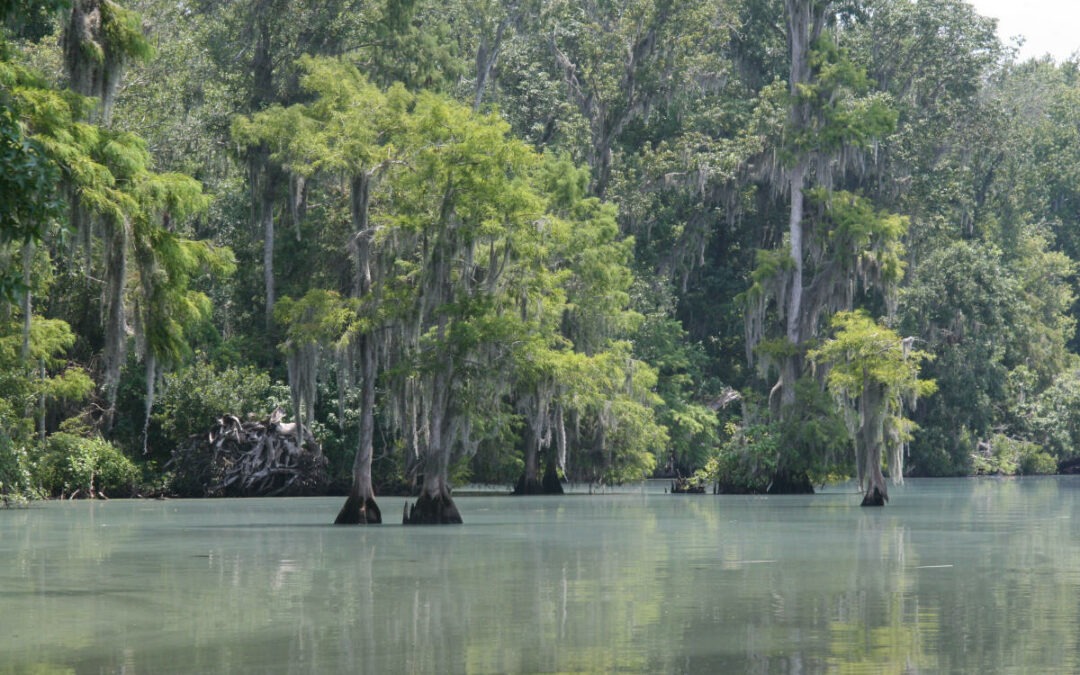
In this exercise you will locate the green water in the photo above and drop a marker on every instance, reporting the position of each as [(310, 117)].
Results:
[(952, 576)]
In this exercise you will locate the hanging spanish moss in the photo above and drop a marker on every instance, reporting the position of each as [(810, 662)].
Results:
[(114, 314), (101, 37), (303, 362)]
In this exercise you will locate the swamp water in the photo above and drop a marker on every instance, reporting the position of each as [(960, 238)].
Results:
[(953, 576)]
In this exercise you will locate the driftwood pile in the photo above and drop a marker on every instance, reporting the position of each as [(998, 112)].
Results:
[(249, 459)]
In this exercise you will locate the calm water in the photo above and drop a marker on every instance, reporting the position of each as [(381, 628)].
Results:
[(952, 576)]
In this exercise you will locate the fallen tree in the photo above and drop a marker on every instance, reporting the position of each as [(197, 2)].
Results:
[(252, 458)]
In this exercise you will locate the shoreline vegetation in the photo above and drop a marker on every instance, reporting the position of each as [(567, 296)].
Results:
[(747, 246)]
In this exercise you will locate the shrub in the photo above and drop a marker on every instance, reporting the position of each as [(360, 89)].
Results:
[(192, 399), (16, 482), (1035, 461), (1010, 456), (73, 465), (746, 462)]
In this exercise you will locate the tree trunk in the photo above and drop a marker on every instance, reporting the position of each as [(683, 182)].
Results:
[(529, 483), (486, 56), (800, 35), (262, 174), (790, 367), (872, 438), (115, 315), (27, 299), (551, 484), (435, 506), (360, 508), (267, 213)]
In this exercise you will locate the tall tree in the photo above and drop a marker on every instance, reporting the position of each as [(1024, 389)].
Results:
[(831, 116), (874, 374), (326, 138)]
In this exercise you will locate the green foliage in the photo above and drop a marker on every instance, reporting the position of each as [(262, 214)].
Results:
[(46, 376), (29, 200), (997, 329), (1004, 456), (1052, 419), (874, 376), (320, 317), (30, 19), (692, 428), (863, 352), (72, 464), (1035, 462), (17, 484), (746, 463), (866, 243), (844, 112), (123, 32), (195, 396), (814, 438)]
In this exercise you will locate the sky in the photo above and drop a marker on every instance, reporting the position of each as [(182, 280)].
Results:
[(1048, 26)]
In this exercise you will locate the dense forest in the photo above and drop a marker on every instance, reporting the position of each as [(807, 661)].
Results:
[(756, 244)]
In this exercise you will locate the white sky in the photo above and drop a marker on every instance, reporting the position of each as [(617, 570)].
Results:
[(1048, 26)]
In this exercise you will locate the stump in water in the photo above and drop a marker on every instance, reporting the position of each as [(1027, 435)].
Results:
[(249, 459), (428, 510), (359, 511), (875, 497), (550, 485), (791, 483)]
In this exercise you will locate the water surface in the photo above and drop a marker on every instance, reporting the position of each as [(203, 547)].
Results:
[(952, 576)]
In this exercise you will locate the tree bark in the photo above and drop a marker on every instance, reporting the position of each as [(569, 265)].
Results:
[(435, 506), (529, 483), (360, 507), (267, 214), (115, 314), (871, 411), (488, 53), (805, 20), (550, 483)]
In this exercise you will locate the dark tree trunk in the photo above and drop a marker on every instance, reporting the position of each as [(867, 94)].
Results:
[(434, 506), (876, 492), (875, 496), (872, 406), (551, 484), (791, 483), (115, 315), (529, 482), (360, 508)]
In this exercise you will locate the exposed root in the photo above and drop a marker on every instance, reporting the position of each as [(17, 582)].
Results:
[(359, 511), (429, 510), (875, 496)]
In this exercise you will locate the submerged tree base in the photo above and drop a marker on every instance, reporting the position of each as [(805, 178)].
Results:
[(875, 497), (550, 485), (430, 510), (785, 483), (359, 511)]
